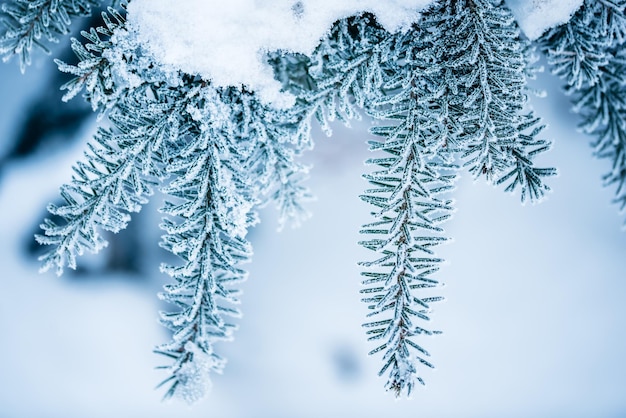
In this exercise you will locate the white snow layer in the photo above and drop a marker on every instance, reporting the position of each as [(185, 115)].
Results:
[(537, 16), (225, 41)]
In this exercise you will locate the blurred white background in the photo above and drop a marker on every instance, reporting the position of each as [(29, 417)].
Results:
[(534, 323)]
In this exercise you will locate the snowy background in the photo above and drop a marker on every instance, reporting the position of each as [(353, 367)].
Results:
[(533, 324)]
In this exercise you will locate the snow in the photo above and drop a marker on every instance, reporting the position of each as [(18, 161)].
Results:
[(537, 16), (225, 41), (194, 376)]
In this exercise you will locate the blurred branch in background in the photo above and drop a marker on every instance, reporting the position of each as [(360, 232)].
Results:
[(50, 124)]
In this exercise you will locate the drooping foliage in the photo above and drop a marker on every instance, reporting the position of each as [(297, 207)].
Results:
[(447, 94), (588, 54), (35, 23), (449, 97)]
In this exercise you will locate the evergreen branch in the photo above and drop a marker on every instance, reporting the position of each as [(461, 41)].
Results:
[(453, 86), (477, 76), (340, 76), (270, 144), (412, 211), (578, 49), (31, 22), (94, 72), (213, 205), (597, 86), (406, 192), (121, 168), (524, 175), (603, 109), (345, 71)]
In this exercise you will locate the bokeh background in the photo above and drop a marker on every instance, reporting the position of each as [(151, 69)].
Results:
[(534, 322)]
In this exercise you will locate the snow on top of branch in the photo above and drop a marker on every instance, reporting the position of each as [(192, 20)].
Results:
[(537, 16), (224, 41)]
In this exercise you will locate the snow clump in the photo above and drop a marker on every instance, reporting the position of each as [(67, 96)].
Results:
[(537, 16), (225, 41)]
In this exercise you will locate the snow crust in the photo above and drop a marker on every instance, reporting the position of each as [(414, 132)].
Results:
[(224, 41), (537, 16)]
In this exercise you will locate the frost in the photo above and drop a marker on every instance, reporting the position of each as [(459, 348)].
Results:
[(537, 16), (226, 42), (125, 73), (193, 376)]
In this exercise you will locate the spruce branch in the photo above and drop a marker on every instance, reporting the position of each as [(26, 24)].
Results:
[(206, 226), (576, 53), (345, 71), (597, 86), (579, 49), (603, 110), (28, 23), (479, 68), (408, 191), (273, 164), (122, 166), (94, 72)]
